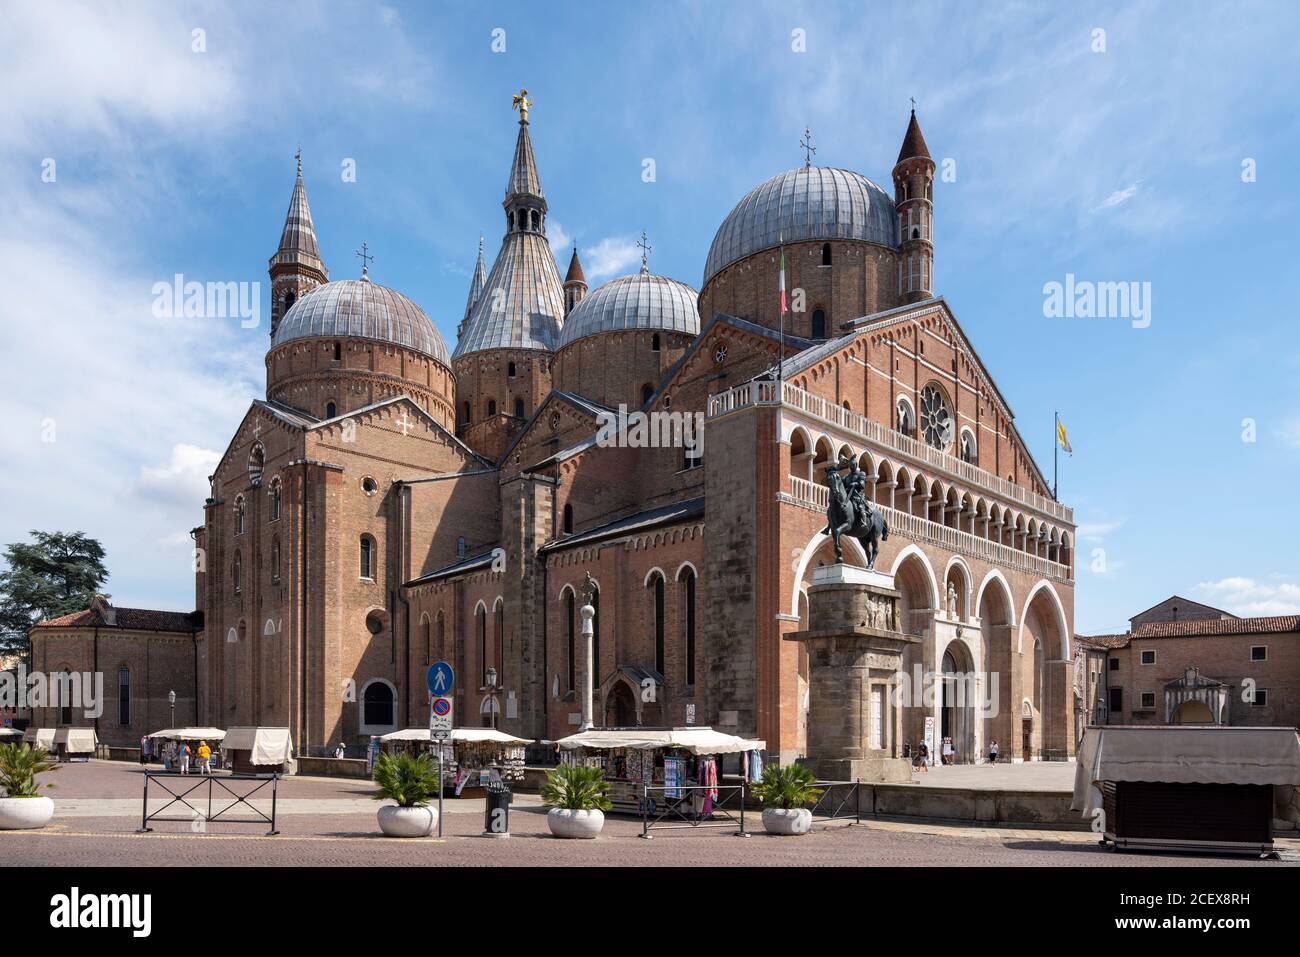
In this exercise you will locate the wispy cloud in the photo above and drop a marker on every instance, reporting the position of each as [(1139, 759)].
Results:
[(1117, 198), (609, 257), (1249, 597)]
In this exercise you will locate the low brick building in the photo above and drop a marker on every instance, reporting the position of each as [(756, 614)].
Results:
[(1209, 667), (142, 655)]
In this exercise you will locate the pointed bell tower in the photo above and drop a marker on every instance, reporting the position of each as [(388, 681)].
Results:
[(575, 283), (475, 290), (913, 202), (296, 268)]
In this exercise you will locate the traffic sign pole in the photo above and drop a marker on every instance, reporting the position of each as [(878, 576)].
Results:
[(440, 679)]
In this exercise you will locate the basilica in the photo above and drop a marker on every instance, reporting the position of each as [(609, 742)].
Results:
[(392, 502)]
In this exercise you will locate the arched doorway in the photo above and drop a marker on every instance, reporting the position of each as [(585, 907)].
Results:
[(620, 707), (1046, 672), (1193, 712), (996, 618), (957, 703)]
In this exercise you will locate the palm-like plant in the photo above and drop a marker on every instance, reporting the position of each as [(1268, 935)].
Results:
[(19, 766), (787, 787), (573, 788), (410, 781)]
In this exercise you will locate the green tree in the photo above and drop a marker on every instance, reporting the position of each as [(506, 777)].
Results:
[(54, 575)]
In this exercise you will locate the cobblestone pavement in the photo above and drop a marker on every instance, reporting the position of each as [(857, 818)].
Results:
[(332, 822)]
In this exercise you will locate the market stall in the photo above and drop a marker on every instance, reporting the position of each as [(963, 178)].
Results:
[(160, 740), (258, 751), (471, 759), (75, 744), (1207, 788), (10, 736), (39, 738), (671, 758)]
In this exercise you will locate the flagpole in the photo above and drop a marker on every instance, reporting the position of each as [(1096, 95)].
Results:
[(1056, 448), (780, 359)]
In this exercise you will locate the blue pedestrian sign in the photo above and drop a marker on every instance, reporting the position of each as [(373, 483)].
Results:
[(440, 679)]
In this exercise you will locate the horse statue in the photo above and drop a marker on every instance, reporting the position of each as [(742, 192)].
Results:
[(849, 513)]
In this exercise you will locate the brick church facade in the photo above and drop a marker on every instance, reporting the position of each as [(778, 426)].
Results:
[(391, 502)]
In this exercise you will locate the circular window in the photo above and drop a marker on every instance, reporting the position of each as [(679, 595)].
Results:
[(375, 622), (369, 485), (936, 419)]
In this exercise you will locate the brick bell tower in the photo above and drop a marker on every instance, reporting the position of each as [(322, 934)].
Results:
[(296, 268), (913, 202)]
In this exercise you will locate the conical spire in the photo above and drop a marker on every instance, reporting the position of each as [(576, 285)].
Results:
[(523, 171), (913, 141), (298, 238), (575, 273), (475, 289)]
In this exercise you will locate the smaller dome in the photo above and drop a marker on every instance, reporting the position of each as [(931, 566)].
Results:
[(361, 309), (631, 303)]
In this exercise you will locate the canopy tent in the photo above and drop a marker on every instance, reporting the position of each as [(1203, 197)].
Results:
[(76, 740), (40, 737), (10, 736), (1183, 755), (458, 735), (210, 735), (696, 740), (265, 746)]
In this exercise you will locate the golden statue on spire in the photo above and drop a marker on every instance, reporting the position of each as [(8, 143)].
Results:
[(521, 103)]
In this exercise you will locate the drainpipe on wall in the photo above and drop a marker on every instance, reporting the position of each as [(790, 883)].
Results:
[(302, 589)]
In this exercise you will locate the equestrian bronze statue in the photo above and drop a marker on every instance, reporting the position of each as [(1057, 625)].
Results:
[(849, 512)]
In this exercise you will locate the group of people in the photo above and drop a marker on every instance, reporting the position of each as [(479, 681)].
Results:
[(178, 755), (921, 754)]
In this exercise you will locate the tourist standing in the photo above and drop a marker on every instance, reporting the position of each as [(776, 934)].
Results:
[(205, 758), (185, 758), (144, 749), (923, 756), (993, 751)]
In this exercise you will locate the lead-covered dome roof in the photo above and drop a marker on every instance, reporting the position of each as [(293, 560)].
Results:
[(809, 203), (631, 303), (361, 309)]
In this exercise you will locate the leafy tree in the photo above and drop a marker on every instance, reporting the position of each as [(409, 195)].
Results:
[(54, 575)]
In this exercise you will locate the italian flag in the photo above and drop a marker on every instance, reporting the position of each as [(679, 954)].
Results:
[(783, 282)]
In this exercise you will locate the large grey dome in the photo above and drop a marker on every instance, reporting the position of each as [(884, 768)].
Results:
[(631, 303), (809, 203), (361, 309)]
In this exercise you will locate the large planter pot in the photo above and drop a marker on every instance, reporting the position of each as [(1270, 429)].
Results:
[(583, 825), (20, 814), (407, 821), (781, 821)]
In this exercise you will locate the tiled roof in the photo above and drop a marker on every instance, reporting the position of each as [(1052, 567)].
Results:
[(458, 568), (641, 521), (522, 303), (913, 141), (1218, 626), (142, 619), (1103, 641), (641, 301), (298, 239)]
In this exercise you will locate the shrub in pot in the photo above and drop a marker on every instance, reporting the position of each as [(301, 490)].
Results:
[(578, 798), (409, 782), (784, 791), (22, 806)]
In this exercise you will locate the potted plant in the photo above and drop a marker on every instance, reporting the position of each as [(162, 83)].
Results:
[(409, 782), (21, 806), (784, 791), (578, 798)]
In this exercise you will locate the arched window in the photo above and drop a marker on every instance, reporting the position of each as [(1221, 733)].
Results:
[(687, 579), (968, 451), (275, 561), (367, 557), (571, 640), (289, 299), (460, 547), (240, 515), (595, 638), (826, 254), (536, 220), (65, 697), (277, 499), (936, 418), (256, 464), (123, 696), (377, 705), (499, 640), (568, 519), (657, 609), (441, 631), (818, 324), (480, 624), (647, 392), (237, 573), (465, 412), (331, 410), (519, 408), (426, 638), (905, 421), (510, 369), (492, 407), (654, 342)]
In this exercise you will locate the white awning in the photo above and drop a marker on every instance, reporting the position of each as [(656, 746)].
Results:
[(266, 746), (458, 736), (76, 740), (10, 733), (190, 734), (1184, 755), (41, 737), (694, 740)]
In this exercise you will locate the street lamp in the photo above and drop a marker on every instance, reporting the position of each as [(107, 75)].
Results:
[(171, 699)]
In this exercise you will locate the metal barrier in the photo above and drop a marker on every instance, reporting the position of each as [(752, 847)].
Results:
[(181, 796), (839, 799), (679, 812)]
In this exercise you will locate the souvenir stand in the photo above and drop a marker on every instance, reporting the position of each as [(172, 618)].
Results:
[(1185, 788), (10, 736), (472, 758), (661, 757), (75, 744), (193, 737), (258, 751), (39, 738)]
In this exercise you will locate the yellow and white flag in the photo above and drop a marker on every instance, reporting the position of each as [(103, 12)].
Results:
[(1061, 440)]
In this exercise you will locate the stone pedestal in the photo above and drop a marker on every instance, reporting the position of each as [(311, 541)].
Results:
[(855, 654)]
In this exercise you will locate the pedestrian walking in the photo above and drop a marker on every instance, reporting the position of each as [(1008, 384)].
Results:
[(144, 749), (923, 755), (205, 758), (185, 758), (993, 751)]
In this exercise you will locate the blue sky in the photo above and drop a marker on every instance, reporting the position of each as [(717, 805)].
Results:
[(1122, 164)]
